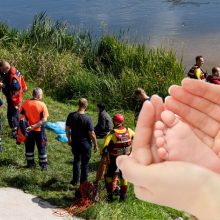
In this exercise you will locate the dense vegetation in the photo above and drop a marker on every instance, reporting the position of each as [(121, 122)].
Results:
[(69, 63)]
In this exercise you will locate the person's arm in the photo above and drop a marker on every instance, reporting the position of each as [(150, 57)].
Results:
[(43, 119), (94, 140), (106, 143), (68, 134), (23, 84), (68, 128), (92, 134), (36, 125)]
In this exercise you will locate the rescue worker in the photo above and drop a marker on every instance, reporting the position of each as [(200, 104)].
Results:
[(196, 71), (104, 124), (13, 86), (141, 97), (80, 134), (1, 148), (117, 142), (215, 77), (36, 113)]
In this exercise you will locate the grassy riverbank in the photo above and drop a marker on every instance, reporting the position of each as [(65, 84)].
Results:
[(54, 185), (69, 63)]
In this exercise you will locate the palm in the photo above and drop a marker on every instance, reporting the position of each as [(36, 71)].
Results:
[(198, 104)]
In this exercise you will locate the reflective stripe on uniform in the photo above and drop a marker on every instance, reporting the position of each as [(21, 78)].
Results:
[(29, 158), (29, 154)]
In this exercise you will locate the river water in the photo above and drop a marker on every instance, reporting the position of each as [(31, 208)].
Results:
[(191, 27)]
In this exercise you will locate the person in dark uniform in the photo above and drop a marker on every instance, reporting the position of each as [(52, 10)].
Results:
[(141, 97), (80, 134), (104, 124)]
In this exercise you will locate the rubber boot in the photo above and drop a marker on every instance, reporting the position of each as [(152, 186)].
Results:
[(123, 193), (109, 188), (31, 164)]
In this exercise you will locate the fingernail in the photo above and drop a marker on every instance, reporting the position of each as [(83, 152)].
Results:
[(166, 98)]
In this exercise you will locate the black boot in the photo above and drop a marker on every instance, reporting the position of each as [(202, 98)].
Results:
[(123, 198), (110, 198), (31, 164), (44, 167), (14, 133)]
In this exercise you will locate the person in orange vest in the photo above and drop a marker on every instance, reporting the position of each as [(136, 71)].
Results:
[(117, 142), (36, 113), (196, 71), (13, 86)]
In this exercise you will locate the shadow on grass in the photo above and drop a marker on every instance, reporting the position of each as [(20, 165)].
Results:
[(25, 182), (93, 166), (19, 181), (62, 201), (8, 162), (55, 184)]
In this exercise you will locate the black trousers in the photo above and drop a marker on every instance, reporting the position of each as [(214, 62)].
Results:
[(82, 155), (39, 138), (12, 115)]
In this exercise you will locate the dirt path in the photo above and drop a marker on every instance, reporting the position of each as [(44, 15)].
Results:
[(17, 205)]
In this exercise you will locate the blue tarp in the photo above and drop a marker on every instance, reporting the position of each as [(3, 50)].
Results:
[(59, 129)]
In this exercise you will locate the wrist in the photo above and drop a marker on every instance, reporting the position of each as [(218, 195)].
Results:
[(208, 196)]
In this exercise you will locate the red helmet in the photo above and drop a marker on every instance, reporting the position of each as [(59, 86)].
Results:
[(118, 119)]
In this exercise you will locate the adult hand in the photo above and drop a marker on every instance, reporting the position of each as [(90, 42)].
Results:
[(180, 185), (30, 128), (198, 103), (1, 85)]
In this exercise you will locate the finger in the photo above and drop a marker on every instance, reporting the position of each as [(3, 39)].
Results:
[(194, 117), (196, 102), (143, 134), (203, 89), (158, 104)]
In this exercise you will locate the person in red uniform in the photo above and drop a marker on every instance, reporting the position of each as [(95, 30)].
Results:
[(117, 142), (215, 77), (13, 86), (36, 113)]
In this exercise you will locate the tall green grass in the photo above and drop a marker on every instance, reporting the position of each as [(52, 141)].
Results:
[(69, 63)]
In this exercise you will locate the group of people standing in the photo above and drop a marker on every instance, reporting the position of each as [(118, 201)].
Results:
[(26, 118)]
